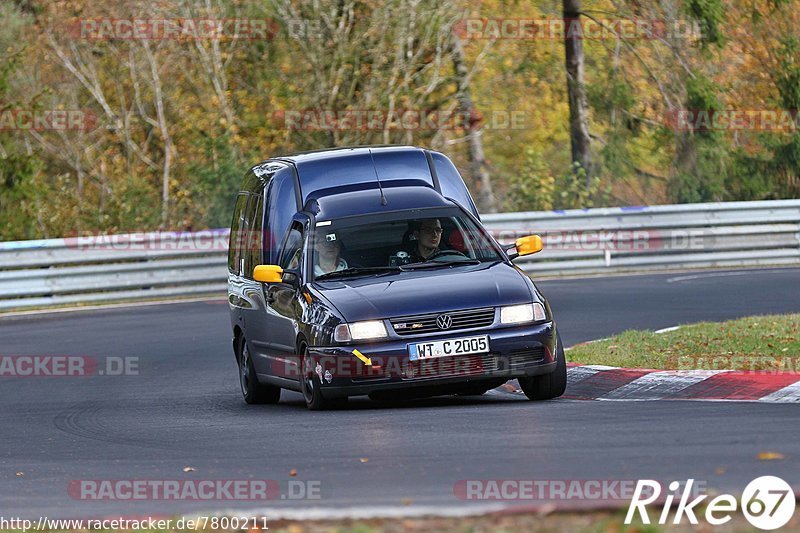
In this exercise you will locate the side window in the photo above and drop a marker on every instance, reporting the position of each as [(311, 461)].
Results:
[(253, 251), (235, 244), (281, 207), (291, 253)]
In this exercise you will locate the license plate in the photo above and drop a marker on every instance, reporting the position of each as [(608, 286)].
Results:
[(465, 346)]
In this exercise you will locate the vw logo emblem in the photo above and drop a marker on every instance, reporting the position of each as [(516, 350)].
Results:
[(444, 321)]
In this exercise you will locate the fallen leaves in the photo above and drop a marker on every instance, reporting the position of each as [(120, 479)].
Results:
[(769, 456)]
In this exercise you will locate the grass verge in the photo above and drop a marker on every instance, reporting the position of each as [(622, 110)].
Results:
[(759, 343)]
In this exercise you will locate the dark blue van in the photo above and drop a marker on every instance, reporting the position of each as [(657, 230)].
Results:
[(366, 270)]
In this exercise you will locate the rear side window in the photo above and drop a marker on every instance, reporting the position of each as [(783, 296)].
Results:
[(235, 243), (253, 251), (245, 248)]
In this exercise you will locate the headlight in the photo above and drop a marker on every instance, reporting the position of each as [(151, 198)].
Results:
[(518, 314), (359, 331)]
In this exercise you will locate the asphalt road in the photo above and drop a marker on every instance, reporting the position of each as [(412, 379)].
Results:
[(183, 409)]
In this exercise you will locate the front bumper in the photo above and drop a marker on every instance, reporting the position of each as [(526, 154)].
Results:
[(513, 352)]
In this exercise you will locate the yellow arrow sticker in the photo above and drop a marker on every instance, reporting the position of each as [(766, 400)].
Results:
[(366, 360)]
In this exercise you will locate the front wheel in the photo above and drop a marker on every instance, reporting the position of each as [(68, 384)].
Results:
[(310, 385), (254, 392), (548, 386)]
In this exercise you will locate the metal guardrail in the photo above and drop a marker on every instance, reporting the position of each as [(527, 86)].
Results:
[(636, 239), (96, 269), (81, 270)]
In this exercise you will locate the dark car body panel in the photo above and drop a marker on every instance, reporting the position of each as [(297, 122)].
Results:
[(403, 294)]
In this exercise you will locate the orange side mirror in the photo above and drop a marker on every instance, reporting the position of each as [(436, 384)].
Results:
[(267, 273), (529, 245)]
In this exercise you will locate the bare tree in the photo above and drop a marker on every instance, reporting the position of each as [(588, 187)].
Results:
[(390, 58), (158, 97), (475, 155)]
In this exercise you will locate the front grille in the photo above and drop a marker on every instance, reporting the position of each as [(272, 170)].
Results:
[(518, 358), (466, 319)]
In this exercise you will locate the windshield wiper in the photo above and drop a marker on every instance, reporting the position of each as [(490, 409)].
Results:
[(437, 264), (356, 271)]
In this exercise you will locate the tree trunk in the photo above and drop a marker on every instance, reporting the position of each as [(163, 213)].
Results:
[(477, 161), (576, 89), (162, 124)]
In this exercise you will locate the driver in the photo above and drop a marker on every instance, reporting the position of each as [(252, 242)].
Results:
[(328, 255), (428, 234)]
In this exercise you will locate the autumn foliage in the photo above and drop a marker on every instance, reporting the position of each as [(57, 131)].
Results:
[(170, 101)]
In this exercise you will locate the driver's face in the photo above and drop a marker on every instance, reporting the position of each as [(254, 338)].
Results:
[(429, 233), (328, 250)]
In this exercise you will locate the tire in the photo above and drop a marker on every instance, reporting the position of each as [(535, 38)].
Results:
[(253, 392), (548, 386), (311, 387)]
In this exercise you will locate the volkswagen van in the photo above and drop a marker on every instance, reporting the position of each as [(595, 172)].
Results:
[(367, 271)]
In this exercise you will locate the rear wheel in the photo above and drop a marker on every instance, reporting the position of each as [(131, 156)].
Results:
[(548, 386), (253, 392)]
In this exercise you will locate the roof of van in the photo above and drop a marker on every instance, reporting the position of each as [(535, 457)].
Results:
[(334, 171)]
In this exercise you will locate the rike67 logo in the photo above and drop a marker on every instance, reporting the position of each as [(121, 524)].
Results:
[(767, 503)]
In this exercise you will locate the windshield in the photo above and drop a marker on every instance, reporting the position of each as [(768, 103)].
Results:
[(377, 244)]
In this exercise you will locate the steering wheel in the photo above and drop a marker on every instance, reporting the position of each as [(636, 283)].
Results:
[(444, 252)]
